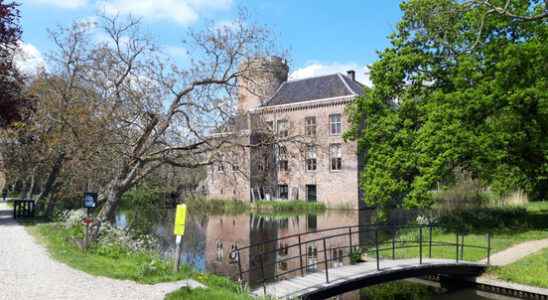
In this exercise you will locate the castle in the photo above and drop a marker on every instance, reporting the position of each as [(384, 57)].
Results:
[(310, 161)]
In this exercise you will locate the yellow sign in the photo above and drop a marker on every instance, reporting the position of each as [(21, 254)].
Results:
[(180, 219)]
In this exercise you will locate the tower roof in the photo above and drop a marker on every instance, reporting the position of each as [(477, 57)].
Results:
[(315, 88)]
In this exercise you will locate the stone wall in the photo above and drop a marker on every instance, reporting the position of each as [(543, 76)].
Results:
[(334, 188)]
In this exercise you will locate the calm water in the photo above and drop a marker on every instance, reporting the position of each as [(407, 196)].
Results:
[(209, 239)]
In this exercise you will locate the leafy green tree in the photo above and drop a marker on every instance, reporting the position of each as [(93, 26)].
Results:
[(463, 87)]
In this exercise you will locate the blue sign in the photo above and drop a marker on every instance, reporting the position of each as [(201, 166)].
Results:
[(90, 200)]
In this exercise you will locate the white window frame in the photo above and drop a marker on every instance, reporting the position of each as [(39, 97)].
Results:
[(335, 125)]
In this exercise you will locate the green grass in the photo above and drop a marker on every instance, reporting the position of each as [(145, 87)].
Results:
[(217, 288), (143, 267), (537, 206), (499, 241), (531, 270)]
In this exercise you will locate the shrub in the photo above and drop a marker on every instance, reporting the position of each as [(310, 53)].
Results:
[(486, 219)]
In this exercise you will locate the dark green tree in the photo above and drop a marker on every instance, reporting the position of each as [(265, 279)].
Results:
[(463, 87)]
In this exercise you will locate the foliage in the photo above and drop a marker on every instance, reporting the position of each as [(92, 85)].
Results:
[(531, 270), (462, 87), (486, 219), (12, 101)]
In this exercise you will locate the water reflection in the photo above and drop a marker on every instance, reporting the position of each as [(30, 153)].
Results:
[(209, 239)]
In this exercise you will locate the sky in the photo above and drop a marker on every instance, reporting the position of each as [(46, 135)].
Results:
[(321, 36)]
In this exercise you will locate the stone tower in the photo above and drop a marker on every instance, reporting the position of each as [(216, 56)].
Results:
[(259, 80)]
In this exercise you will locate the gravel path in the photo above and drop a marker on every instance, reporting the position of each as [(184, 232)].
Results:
[(27, 272), (517, 252)]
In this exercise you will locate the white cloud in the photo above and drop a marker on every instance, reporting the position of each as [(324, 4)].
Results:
[(28, 59), (71, 4), (317, 69), (176, 52), (180, 11)]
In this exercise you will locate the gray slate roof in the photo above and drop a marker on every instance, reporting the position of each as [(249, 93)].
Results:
[(315, 88)]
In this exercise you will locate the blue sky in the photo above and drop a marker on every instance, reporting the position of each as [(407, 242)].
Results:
[(322, 36)]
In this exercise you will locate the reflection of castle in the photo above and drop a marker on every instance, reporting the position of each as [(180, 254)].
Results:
[(320, 166), (224, 232)]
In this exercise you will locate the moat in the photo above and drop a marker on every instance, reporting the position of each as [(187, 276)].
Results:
[(210, 238)]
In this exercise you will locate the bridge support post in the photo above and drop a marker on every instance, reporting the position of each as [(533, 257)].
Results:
[(377, 247), (420, 245), (350, 241), (325, 261), (262, 274), (430, 241), (462, 247), (488, 249), (394, 244), (457, 247), (301, 254)]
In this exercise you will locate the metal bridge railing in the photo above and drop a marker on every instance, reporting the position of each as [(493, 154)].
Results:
[(385, 238)]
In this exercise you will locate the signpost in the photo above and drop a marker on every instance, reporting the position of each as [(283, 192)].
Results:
[(90, 201), (179, 231)]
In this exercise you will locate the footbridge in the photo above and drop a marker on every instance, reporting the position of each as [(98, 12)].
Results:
[(329, 262)]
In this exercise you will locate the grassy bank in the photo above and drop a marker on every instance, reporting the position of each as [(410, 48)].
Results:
[(499, 242), (531, 270), (218, 288), (221, 206), (107, 260), (119, 263)]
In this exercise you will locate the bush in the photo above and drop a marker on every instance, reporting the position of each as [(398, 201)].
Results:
[(486, 219)]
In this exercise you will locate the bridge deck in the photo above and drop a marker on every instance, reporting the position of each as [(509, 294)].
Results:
[(299, 286)]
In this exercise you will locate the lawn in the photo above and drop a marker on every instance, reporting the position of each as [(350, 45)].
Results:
[(472, 242), (143, 267), (531, 270)]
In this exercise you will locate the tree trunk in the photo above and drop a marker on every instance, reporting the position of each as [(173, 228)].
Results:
[(50, 184), (30, 191), (107, 214)]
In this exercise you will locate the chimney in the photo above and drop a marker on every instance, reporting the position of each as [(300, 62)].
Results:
[(351, 74)]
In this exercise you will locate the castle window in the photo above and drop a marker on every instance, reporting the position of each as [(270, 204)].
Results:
[(283, 191), (281, 156), (310, 126), (335, 155), (221, 167), (270, 125), (335, 124), (283, 128), (311, 163)]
